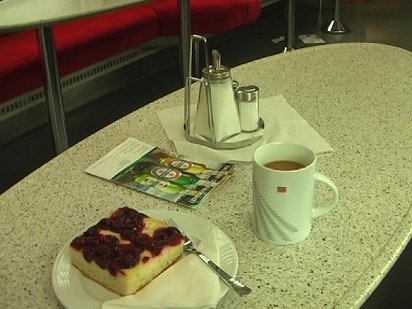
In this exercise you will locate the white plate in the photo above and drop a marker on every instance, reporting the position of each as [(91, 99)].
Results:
[(77, 291)]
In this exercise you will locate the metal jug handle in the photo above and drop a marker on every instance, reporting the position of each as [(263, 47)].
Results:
[(188, 87)]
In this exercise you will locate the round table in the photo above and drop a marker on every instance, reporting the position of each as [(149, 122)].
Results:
[(357, 96)]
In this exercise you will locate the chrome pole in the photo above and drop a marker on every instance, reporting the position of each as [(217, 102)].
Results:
[(185, 32), (290, 37), (336, 26), (53, 88)]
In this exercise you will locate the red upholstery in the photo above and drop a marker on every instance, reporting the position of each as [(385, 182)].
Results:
[(15, 77), (84, 42), (207, 16), (78, 45), (113, 33)]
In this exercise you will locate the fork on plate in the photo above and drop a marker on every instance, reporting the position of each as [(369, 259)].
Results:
[(236, 285)]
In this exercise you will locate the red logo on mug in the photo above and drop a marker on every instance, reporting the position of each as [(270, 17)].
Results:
[(281, 189)]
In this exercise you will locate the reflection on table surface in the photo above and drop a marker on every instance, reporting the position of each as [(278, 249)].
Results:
[(359, 99)]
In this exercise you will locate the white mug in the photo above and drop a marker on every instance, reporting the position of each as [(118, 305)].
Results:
[(284, 194)]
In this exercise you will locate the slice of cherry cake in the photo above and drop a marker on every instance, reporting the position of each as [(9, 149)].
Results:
[(126, 251)]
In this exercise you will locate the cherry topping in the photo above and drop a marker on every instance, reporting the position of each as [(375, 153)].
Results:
[(111, 254)]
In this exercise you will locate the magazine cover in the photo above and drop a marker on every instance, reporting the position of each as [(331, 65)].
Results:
[(161, 173)]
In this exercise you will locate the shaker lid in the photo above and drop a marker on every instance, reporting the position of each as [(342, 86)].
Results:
[(246, 93), (217, 70)]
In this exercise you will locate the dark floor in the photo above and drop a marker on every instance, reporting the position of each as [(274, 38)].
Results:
[(382, 21)]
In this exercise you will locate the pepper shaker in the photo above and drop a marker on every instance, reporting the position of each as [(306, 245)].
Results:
[(247, 98)]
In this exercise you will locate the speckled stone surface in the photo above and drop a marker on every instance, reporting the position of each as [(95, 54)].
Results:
[(21, 14), (357, 96)]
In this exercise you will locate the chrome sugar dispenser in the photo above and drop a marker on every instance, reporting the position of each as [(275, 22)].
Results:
[(216, 123)]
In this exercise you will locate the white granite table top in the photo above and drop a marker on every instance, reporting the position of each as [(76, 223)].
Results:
[(358, 96), (22, 14)]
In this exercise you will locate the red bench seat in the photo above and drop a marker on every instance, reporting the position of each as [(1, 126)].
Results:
[(83, 42), (78, 44), (207, 16)]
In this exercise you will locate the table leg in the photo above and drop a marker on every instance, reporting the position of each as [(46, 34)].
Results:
[(336, 26), (290, 37), (53, 88), (184, 39)]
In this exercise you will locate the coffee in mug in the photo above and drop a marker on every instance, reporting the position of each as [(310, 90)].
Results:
[(284, 165), (284, 177)]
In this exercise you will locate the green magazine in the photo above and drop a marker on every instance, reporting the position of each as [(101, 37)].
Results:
[(161, 173)]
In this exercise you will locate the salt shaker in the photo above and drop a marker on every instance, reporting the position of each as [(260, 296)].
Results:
[(247, 98)]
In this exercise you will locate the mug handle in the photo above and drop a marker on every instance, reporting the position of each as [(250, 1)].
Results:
[(317, 212)]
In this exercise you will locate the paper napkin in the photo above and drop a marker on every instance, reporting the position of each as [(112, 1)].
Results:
[(282, 124), (190, 283)]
